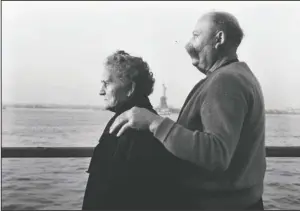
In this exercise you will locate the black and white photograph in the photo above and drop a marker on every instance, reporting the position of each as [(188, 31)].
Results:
[(133, 105)]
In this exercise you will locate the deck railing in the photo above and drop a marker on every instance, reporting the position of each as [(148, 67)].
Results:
[(80, 152)]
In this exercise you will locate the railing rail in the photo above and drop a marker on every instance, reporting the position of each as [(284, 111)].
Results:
[(79, 152)]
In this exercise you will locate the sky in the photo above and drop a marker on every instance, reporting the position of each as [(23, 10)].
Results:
[(53, 52)]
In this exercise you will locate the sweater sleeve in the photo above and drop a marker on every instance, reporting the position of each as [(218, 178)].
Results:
[(222, 114)]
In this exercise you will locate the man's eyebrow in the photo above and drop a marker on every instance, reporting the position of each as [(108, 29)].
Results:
[(196, 32)]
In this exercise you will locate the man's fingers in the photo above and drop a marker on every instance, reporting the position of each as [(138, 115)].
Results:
[(124, 127), (119, 122)]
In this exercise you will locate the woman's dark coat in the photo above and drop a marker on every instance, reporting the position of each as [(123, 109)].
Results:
[(131, 171)]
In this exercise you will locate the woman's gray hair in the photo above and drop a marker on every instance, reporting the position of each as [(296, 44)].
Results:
[(132, 69)]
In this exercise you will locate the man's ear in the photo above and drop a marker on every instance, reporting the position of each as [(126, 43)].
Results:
[(131, 89), (220, 39)]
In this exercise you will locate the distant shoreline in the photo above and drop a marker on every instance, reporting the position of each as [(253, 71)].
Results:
[(89, 107), (40, 106)]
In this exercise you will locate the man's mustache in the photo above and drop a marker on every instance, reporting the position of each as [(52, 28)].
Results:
[(191, 50)]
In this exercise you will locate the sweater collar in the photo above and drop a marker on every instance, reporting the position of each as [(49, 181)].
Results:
[(225, 62)]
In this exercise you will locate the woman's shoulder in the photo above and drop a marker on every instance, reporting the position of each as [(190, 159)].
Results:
[(140, 144)]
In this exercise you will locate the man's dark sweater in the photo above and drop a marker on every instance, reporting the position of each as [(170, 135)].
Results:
[(133, 171), (220, 133)]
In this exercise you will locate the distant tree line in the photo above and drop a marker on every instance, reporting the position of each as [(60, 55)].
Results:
[(52, 106), (276, 111)]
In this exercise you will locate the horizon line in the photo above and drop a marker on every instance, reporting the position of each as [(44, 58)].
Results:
[(101, 106)]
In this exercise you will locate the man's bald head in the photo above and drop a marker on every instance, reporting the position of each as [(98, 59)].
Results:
[(215, 37), (226, 22)]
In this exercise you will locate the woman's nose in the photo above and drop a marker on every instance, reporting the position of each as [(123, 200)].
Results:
[(102, 92)]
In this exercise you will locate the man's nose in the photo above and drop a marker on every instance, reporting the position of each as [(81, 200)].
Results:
[(188, 45)]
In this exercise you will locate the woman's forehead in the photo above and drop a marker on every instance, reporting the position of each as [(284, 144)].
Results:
[(106, 74), (109, 74)]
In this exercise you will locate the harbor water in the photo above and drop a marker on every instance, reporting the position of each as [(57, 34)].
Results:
[(59, 183)]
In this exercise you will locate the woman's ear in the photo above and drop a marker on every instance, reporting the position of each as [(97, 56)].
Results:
[(131, 89)]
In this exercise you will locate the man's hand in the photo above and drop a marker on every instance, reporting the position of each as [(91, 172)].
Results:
[(136, 118)]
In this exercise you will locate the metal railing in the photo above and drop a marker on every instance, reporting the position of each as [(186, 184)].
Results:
[(80, 152)]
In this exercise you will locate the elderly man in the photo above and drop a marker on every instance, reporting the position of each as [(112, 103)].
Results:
[(220, 131)]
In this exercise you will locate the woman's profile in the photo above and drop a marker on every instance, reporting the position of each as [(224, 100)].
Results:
[(133, 170)]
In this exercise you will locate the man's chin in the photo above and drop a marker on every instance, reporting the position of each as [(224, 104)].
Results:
[(196, 64)]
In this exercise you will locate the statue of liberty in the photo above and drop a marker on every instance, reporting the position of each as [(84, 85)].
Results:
[(163, 107)]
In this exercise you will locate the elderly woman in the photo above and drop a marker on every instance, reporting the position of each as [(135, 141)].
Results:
[(133, 170)]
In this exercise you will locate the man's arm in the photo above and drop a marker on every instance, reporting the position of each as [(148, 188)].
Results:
[(222, 116)]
